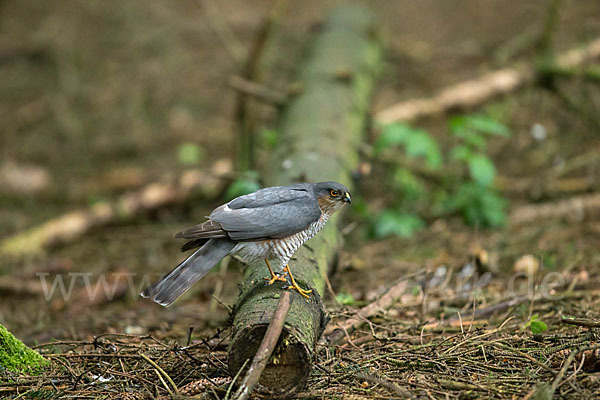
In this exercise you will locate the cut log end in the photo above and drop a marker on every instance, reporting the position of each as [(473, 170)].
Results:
[(289, 366)]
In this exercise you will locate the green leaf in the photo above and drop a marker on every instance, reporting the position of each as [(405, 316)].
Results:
[(408, 184), (460, 153), (190, 153), (481, 169), (479, 205), (415, 290), (538, 327), (345, 298), (474, 139), (458, 124), (417, 143), (392, 223), (392, 134), (493, 209), (535, 325), (487, 125), (420, 144), (270, 137)]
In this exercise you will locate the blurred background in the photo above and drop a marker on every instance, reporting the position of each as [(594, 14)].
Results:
[(102, 99)]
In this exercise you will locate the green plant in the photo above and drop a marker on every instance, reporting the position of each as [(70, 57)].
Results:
[(345, 299), (463, 182), (417, 143), (246, 183), (190, 153), (476, 198), (535, 325), (391, 222)]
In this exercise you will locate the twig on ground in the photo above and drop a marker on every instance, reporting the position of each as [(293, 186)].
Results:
[(577, 207), (475, 92), (580, 322), (495, 308), (389, 298), (235, 378), (520, 353), (456, 385), (590, 74), (16, 285), (567, 364), (265, 349), (258, 91), (161, 372), (383, 382)]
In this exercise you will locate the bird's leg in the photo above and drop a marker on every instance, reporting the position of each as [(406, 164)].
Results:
[(294, 285), (274, 277)]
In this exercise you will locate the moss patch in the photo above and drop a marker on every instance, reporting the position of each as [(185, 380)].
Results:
[(17, 357)]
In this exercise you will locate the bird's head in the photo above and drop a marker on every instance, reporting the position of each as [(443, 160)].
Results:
[(332, 195)]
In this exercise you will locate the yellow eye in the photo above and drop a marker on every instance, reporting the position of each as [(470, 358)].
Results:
[(334, 193)]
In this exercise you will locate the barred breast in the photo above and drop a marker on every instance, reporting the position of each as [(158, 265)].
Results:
[(282, 249)]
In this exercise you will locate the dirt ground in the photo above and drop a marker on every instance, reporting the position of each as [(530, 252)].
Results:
[(97, 98)]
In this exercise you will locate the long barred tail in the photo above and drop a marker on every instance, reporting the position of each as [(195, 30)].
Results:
[(190, 271)]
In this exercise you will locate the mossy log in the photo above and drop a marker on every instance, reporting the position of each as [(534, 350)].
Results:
[(16, 357), (321, 130)]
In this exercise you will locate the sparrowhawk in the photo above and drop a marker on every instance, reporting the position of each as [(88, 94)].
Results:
[(271, 223)]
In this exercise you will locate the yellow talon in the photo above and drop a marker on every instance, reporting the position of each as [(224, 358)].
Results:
[(274, 276), (295, 286)]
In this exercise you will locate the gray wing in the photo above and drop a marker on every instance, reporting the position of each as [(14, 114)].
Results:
[(204, 231), (268, 213)]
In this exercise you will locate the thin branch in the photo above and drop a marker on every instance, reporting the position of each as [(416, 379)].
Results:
[(250, 71), (265, 349), (389, 298), (567, 364), (391, 386), (161, 371), (474, 92), (257, 90), (590, 74), (499, 307), (580, 322), (217, 23), (549, 27), (577, 207)]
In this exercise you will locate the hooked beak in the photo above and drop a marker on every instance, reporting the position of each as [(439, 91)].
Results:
[(347, 198)]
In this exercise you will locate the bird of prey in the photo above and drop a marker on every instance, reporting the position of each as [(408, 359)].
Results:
[(271, 223)]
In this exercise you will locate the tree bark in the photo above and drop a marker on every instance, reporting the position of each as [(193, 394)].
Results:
[(321, 130)]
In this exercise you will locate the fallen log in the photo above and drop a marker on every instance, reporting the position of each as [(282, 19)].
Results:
[(475, 92), (266, 348), (321, 131), (577, 208), (74, 224)]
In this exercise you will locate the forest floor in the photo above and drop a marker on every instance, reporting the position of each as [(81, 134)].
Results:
[(98, 101)]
